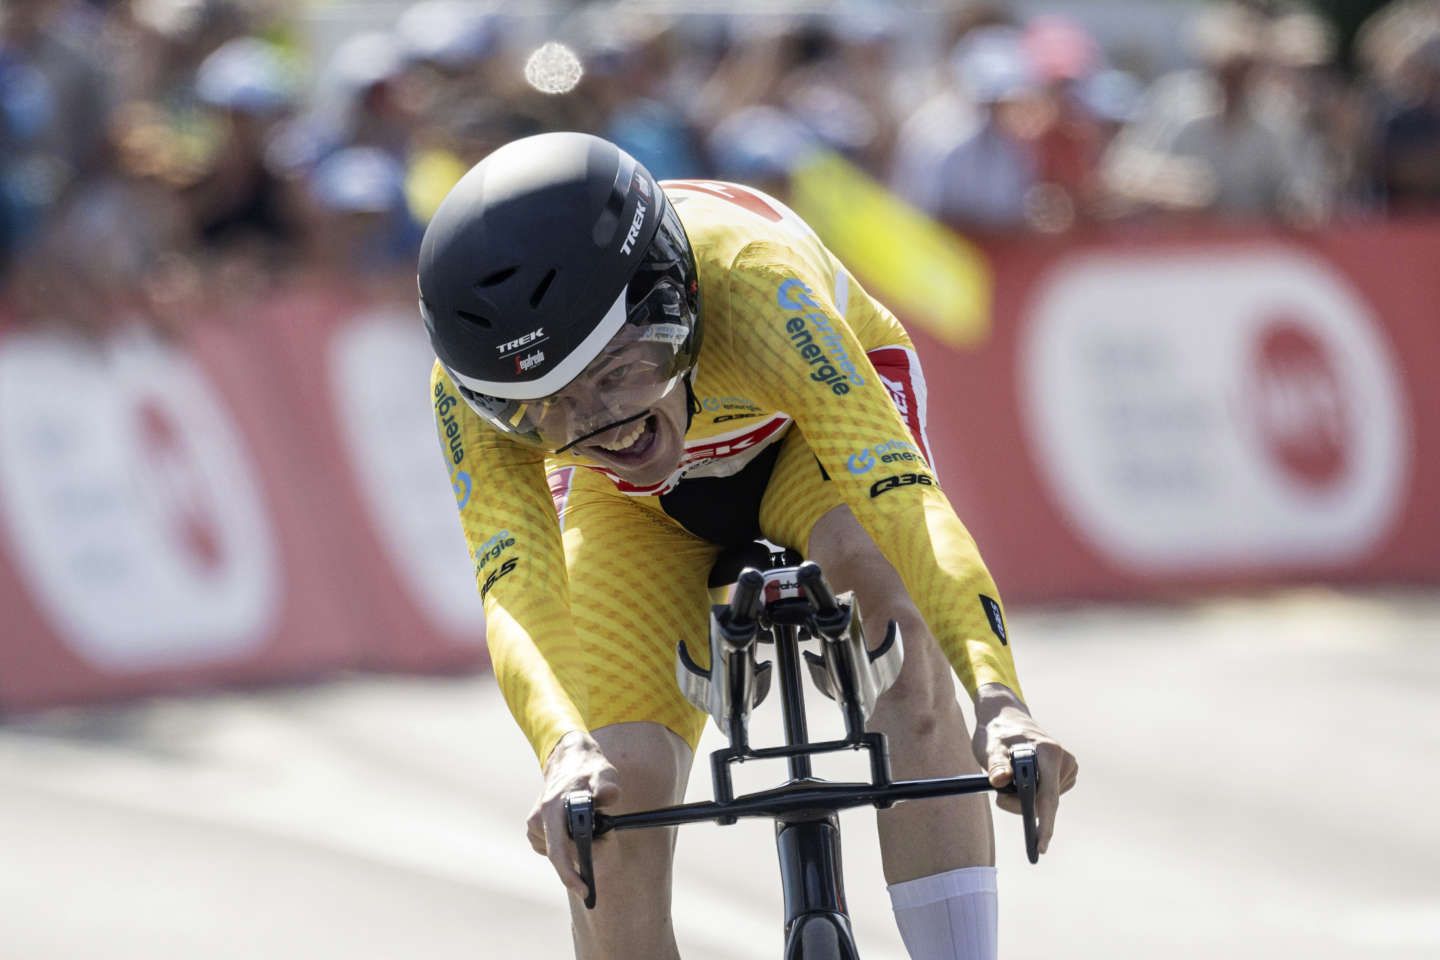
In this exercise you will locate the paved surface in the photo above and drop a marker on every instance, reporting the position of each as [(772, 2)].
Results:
[(1257, 780)]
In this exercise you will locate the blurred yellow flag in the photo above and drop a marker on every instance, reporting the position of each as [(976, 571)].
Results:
[(925, 273), (429, 179)]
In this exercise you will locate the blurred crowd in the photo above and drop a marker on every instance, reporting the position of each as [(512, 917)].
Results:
[(157, 156)]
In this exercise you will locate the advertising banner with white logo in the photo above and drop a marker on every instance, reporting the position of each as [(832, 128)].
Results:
[(360, 369), (148, 540), (1153, 414), (261, 501)]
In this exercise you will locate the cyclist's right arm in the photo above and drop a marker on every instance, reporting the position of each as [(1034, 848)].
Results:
[(514, 540)]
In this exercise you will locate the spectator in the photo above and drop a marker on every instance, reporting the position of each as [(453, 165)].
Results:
[(1409, 166), (362, 223), (1068, 136), (459, 48), (369, 72), (241, 202), (1205, 143), (983, 178), (1325, 114), (761, 146), (135, 133), (630, 63), (53, 113), (459, 61), (839, 85)]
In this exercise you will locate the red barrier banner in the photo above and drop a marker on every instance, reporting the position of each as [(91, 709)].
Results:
[(1155, 413), (359, 374), (1151, 414), (264, 502), (148, 539)]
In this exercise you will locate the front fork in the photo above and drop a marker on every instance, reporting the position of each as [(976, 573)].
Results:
[(816, 921)]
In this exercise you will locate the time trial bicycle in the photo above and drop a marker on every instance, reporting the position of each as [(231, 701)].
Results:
[(783, 601)]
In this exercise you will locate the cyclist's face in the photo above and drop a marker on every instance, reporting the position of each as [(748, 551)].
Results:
[(647, 450), (617, 385)]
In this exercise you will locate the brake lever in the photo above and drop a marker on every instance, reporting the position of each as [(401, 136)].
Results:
[(580, 824), (1024, 782)]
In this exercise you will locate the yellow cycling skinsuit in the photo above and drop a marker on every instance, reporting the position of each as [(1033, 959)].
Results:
[(589, 581)]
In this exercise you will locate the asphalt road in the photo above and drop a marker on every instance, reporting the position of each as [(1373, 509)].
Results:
[(1257, 780)]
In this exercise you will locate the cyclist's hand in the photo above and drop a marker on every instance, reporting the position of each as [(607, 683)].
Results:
[(1002, 723), (576, 763)]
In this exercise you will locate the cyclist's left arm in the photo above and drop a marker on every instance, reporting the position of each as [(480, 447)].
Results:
[(819, 373)]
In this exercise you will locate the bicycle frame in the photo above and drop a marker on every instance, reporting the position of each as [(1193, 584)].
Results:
[(807, 838)]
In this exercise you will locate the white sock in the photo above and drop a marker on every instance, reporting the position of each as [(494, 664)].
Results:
[(950, 916)]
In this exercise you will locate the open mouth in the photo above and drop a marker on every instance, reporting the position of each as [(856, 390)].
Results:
[(630, 443)]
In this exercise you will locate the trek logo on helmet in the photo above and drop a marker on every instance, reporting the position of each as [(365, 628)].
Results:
[(513, 346), (635, 226)]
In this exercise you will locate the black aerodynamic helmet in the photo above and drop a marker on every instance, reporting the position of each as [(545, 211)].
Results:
[(557, 262)]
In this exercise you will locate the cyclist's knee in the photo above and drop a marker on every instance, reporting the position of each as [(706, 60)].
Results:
[(923, 695), (921, 707), (651, 762)]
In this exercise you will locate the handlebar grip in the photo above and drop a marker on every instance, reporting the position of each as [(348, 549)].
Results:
[(580, 824), (745, 601), (1026, 780), (812, 581)]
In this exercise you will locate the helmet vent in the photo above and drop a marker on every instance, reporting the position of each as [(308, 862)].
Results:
[(499, 276), (475, 318), (539, 293)]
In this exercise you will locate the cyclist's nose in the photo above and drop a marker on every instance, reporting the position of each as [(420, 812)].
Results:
[(587, 400), (580, 409)]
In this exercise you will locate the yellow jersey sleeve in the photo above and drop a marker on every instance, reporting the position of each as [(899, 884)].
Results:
[(514, 540), (816, 370)]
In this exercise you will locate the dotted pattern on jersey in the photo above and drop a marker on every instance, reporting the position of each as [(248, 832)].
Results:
[(509, 519), (783, 322), (637, 587), (797, 496)]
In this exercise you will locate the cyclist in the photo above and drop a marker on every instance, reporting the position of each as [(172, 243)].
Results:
[(690, 368)]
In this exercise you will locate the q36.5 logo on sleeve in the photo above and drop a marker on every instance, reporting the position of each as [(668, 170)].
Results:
[(886, 484), (501, 571), (493, 549)]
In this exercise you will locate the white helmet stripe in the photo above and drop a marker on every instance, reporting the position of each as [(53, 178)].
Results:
[(566, 370)]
